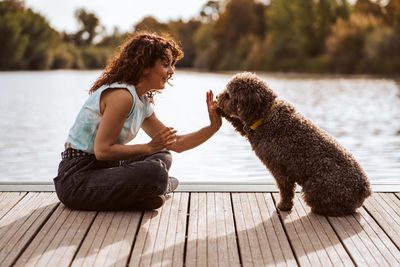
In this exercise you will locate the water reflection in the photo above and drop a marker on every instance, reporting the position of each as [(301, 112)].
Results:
[(37, 109)]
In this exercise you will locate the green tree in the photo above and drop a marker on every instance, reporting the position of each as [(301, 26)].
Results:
[(345, 46), (42, 40), (114, 39), (27, 40), (290, 33), (206, 48), (393, 13), (89, 27), (11, 6), (210, 11), (381, 52), (297, 31), (368, 7), (151, 24), (12, 41), (328, 11), (239, 19), (248, 52), (183, 33)]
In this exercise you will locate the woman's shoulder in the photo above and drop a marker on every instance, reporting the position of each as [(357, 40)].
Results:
[(118, 98), (121, 89), (118, 85)]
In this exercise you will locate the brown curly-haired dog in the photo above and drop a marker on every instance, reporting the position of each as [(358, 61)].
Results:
[(294, 149)]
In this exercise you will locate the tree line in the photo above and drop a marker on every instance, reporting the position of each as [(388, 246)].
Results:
[(296, 35)]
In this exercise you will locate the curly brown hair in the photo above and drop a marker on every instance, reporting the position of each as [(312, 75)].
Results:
[(138, 52)]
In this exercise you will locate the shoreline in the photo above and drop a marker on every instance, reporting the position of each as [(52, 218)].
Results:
[(275, 74)]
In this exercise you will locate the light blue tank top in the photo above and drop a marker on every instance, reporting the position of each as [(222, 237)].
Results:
[(83, 132)]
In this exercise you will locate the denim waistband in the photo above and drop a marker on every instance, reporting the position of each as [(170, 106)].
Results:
[(70, 153)]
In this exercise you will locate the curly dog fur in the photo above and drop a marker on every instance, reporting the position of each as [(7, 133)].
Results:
[(294, 149)]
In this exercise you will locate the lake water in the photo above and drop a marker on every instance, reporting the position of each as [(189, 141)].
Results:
[(38, 108)]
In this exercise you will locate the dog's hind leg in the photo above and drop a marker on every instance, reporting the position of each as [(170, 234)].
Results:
[(286, 191), (331, 196)]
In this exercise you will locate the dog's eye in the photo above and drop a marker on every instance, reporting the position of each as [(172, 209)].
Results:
[(228, 96)]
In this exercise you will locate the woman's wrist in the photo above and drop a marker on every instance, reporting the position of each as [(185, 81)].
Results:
[(214, 128), (149, 149)]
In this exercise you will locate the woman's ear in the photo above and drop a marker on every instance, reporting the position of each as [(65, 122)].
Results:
[(146, 72)]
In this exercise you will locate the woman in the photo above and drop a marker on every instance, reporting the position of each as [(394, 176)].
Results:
[(99, 171)]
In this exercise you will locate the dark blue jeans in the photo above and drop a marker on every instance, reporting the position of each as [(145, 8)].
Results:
[(84, 183)]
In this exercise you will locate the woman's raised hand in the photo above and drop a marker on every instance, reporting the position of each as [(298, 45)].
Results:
[(215, 118), (163, 139)]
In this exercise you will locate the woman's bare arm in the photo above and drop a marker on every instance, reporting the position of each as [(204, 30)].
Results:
[(115, 107), (152, 125)]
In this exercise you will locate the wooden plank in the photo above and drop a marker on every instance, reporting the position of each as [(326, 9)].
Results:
[(8, 200), (278, 242), (21, 224), (191, 247), (393, 201), (242, 233), (383, 246), (350, 239), (332, 251), (139, 246), (301, 235), (155, 258), (385, 208), (265, 245), (313, 239), (254, 244), (221, 231), (211, 231), (175, 240), (170, 238), (196, 253), (228, 251), (221, 241), (87, 253), (117, 242), (109, 239), (121, 247), (365, 240), (58, 240), (147, 245), (201, 256)]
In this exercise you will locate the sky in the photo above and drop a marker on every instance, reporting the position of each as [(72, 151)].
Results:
[(121, 13)]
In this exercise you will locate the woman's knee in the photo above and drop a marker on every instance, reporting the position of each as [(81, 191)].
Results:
[(164, 156), (158, 173)]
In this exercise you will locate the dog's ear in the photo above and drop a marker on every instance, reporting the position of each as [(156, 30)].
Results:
[(248, 104), (251, 96)]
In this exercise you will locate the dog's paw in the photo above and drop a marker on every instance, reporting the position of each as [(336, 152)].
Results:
[(284, 206)]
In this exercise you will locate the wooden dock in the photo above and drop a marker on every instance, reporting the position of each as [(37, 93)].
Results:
[(197, 229)]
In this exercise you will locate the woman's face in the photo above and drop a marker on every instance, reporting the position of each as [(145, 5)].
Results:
[(157, 76)]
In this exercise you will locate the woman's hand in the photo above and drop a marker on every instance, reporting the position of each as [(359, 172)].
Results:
[(163, 139), (215, 118)]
